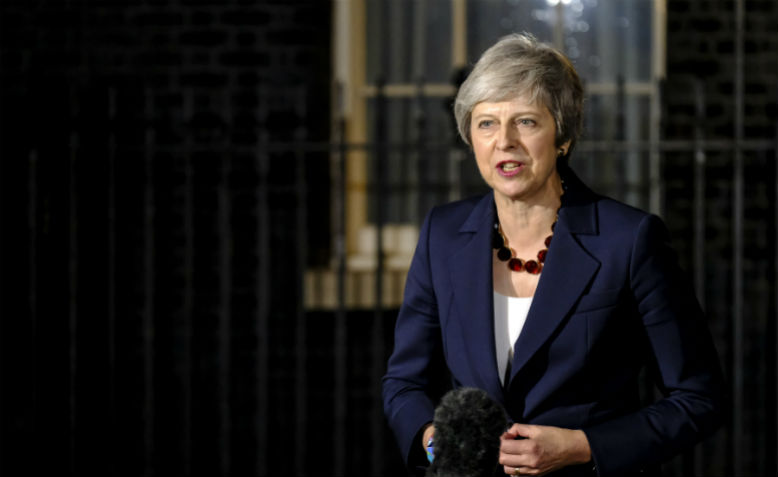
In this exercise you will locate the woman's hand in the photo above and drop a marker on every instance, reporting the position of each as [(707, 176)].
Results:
[(425, 438), (428, 432), (537, 450)]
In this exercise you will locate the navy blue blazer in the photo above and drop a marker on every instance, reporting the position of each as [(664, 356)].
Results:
[(611, 300)]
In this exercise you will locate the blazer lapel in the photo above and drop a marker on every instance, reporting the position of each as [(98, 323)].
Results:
[(567, 272), (471, 277)]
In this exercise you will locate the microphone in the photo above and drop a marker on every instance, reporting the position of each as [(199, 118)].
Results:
[(468, 425)]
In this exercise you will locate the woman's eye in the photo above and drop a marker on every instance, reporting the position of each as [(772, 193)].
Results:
[(485, 123), (526, 122)]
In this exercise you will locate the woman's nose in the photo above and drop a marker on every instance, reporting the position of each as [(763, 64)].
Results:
[(508, 138)]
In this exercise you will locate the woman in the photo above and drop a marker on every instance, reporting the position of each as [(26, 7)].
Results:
[(548, 296)]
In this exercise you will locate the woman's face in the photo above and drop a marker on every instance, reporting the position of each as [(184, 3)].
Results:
[(514, 147)]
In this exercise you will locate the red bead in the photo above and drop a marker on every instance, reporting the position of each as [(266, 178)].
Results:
[(515, 264), (531, 266)]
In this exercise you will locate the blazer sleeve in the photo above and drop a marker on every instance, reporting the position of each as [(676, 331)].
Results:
[(684, 360), (407, 405)]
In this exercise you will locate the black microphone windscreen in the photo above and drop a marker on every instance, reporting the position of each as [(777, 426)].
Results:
[(468, 425)]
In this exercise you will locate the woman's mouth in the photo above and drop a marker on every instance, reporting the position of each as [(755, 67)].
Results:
[(509, 168)]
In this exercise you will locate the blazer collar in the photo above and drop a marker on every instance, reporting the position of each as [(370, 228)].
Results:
[(482, 214), (578, 204), (566, 274), (470, 269)]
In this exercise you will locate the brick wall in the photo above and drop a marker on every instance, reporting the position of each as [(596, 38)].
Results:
[(701, 46), (152, 213)]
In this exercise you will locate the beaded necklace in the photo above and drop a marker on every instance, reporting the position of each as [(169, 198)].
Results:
[(505, 253)]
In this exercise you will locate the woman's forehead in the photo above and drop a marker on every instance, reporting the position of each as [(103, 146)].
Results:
[(517, 103)]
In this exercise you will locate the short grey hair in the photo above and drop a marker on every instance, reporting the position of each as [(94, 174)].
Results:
[(519, 64)]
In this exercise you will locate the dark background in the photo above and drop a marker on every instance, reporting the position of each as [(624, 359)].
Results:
[(164, 182)]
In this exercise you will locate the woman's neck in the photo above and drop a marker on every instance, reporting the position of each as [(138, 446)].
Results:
[(523, 223)]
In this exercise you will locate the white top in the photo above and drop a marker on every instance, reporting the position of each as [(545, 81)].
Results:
[(510, 313)]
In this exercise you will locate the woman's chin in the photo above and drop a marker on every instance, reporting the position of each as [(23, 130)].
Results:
[(512, 193)]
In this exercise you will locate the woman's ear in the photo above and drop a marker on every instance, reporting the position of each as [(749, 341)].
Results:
[(563, 149)]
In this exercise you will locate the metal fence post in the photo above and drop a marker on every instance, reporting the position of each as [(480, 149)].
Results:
[(377, 338), (301, 355), (149, 260), (340, 345), (737, 239)]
